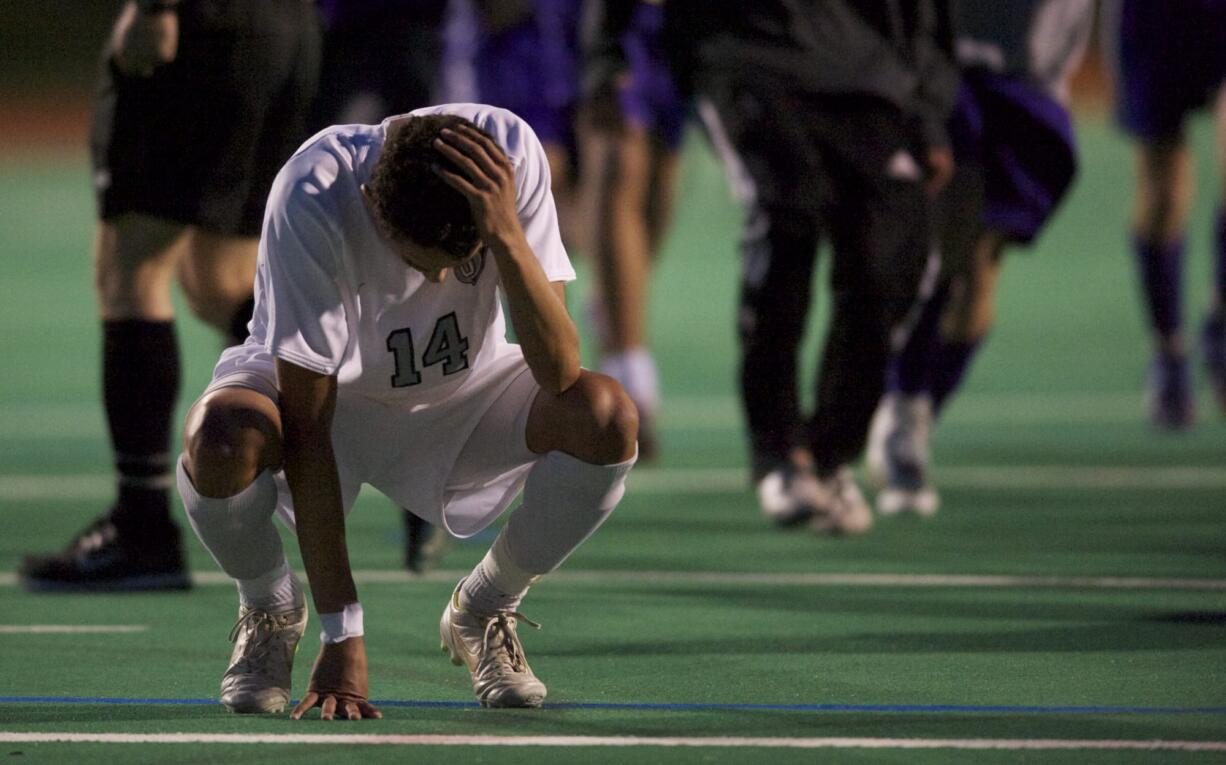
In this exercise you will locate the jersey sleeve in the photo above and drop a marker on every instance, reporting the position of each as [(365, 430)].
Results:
[(299, 274), (537, 213)]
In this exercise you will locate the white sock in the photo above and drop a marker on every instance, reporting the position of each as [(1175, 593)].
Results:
[(278, 590), (565, 501), (635, 369), (238, 532)]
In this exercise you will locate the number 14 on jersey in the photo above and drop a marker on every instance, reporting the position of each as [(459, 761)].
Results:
[(447, 347)]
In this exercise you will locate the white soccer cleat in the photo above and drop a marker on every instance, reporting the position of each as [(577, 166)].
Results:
[(788, 495), (489, 646), (262, 663), (898, 455), (841, 508)]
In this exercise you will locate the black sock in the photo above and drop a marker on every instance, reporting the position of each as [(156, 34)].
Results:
[(140, 384), (238, 322)]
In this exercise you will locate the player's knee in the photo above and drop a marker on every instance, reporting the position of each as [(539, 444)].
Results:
[(227, 446), (614, 420)]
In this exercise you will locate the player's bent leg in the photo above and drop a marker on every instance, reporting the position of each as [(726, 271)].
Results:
[(588, 434), (225, 478), (217, 273)]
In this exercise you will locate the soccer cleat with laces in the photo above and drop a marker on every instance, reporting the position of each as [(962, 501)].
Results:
[(104, 558), (841, 508), (490, 648), (261, 665), (898, 455)]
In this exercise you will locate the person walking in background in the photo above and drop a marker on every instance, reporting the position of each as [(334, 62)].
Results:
[(1015, 158), (831, 119), (1170, 60), (380, 57), (633, 124), (199, 104)]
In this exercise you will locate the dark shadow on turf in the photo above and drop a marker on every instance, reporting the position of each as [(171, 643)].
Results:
[(1204, 618)]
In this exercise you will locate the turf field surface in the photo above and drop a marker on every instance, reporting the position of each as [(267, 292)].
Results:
[(1067, 604)]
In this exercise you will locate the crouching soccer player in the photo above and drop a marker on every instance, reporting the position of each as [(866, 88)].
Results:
[(378, 355)]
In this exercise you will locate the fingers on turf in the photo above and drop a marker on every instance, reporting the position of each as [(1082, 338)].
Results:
[(307, 702)]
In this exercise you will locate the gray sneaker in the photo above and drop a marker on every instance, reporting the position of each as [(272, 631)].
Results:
[(490, 648), (899, 456), (258, 680)]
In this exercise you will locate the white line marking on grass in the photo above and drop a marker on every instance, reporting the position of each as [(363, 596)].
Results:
[(765, 579), (735, 480), (84, 629), (723, 413), (83, 420), (615, 741)]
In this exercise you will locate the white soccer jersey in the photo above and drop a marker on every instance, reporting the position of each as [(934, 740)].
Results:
[(332, 297)]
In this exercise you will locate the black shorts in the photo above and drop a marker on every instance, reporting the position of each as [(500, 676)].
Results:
[(201, 140)]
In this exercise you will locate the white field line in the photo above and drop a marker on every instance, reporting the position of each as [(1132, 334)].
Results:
[(722, 412), (77, 420), (733, 480), (83, 629), (617, 741), (757, 579), (1029, 477)]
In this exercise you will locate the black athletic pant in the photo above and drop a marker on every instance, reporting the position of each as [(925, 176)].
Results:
[(847, 167)]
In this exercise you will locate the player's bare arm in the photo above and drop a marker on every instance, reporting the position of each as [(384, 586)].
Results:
[(145, 35), (339, 680), (537, 306)]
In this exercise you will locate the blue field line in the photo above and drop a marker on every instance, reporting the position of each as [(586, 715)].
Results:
[(689, 707)]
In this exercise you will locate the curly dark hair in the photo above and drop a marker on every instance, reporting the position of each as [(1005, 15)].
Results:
[(411, 198)]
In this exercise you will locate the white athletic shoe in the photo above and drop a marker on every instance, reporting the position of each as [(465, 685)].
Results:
[(490, 648), (898, 455), (788, 495), (262, 663), (841, 508)]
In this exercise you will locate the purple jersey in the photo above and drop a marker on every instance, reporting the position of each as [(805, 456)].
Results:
[(1022, 139), (530, 68)]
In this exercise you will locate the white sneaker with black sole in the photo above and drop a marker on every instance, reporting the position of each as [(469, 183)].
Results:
[(788, 495)]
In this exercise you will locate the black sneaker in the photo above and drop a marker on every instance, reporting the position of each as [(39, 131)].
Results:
[(102, 559), (424, 544)]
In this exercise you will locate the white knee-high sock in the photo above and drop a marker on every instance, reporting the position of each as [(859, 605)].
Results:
[(565, 501), (238, 532)]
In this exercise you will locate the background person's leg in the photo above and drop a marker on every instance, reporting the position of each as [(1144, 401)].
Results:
[(1164, 188), (135, 545)]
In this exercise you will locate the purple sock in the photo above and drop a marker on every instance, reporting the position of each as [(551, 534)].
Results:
[(950, 360), (1219, 271), (1161, 267), (910, 370)]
